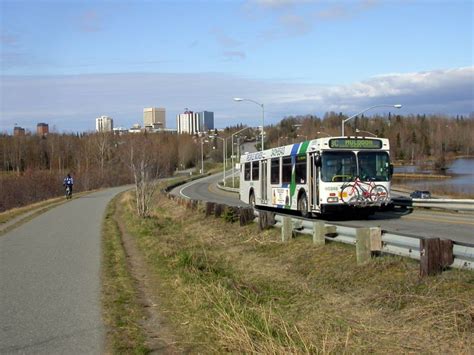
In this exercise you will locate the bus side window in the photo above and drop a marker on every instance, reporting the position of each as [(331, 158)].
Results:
[(275, 171), (255, 165), (300, 169), (286, 170), (247, 172)]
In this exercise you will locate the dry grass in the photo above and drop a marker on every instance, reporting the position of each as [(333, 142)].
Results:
[(234, 289)]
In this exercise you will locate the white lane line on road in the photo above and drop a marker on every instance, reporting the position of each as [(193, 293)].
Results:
[(182, 193), (195, 182)]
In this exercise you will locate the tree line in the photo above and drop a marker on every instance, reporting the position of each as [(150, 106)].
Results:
[(414, 139), (33, 167)]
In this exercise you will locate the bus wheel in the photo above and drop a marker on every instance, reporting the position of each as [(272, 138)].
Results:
[(252, 199), (303, 205)]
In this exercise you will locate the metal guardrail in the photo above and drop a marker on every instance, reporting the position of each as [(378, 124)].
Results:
[(396, 244), (441, 203)]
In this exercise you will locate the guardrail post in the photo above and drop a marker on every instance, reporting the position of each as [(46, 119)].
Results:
[(375, 236), (266, 219), (219, 208), (319, 233), (430, 257), (262, 220), (247, 215), (209, 208), (435, 255), (447, 256), (286, 229), (363, 251)]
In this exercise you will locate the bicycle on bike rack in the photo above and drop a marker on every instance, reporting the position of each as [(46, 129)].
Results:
[(362, 193)]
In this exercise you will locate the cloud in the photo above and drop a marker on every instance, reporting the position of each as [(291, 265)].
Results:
[(295, 24), (72, 102), (89, 21), (228, 44), (299, 17)]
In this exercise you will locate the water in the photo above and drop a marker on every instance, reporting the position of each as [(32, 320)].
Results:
[(462, 181)]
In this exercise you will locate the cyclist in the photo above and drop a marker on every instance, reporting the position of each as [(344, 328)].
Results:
[(67, 183)]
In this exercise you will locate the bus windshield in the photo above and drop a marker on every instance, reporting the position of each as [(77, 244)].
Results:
[(345, 166), (338, 166), (374, 166)]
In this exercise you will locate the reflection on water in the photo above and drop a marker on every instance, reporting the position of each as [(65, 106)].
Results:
[(462, 181)]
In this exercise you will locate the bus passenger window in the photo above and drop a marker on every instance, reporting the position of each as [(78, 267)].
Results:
[(255, 165), (286, 170), (247, 172), (275, 171), (300, 169)]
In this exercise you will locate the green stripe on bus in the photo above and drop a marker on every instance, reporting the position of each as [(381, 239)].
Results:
[(303, 147), (293, 183)]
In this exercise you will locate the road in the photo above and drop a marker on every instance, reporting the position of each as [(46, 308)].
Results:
[(50, 280), (419, 222)]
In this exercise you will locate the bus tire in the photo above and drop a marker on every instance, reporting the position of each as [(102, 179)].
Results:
[(252, 199), (303, 204)]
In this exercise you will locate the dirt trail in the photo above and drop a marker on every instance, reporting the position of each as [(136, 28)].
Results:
[(160, 338)]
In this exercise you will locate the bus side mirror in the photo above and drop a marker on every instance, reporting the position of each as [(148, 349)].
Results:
[(317, 161), (390, 171)]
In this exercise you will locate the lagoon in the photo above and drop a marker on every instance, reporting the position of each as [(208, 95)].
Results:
[(461, 183)]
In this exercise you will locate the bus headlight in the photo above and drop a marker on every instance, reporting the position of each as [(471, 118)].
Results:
[(332, 199)]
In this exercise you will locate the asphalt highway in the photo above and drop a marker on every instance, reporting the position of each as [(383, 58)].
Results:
[(50, 280), (417, 222)]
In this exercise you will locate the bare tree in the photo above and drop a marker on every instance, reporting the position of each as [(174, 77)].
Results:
[(145, 167)]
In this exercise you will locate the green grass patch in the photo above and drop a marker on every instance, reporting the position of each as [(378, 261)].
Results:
[(122, 311)]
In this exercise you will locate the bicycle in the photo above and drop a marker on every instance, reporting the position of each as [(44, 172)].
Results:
[(360, 192), (68, 192)]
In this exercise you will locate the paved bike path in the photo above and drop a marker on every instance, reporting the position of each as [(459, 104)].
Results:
[(50, 280)]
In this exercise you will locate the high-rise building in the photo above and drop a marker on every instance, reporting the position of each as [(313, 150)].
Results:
[(104, 124), (206, 120), (42, 129), (194, 122), (18, 131), (154, 117)]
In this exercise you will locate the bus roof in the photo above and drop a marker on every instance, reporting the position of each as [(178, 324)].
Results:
[(352, 143)]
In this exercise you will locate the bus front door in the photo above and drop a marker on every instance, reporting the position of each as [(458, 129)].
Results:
[(314, 183), (264, 182)]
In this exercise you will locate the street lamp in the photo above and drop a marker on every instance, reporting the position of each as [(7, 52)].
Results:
[(202, 154), (359, 131), (238, 99), (367, 109)]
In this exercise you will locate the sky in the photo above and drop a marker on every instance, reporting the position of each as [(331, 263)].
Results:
[(67, 62)]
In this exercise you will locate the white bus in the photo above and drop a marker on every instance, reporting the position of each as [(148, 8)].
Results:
[(319, 176)]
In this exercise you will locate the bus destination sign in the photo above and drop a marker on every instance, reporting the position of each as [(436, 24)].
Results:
[(352, 143)]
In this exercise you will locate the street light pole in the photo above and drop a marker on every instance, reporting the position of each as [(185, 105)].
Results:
[(238, 99), (367, 109), (202, 154), (224, 149)]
